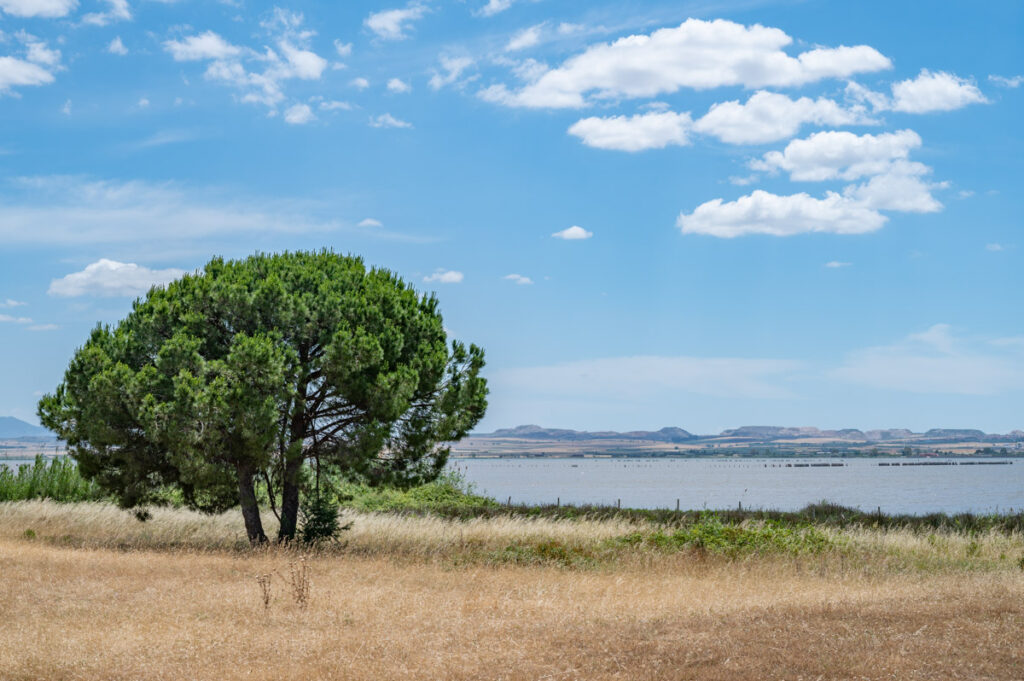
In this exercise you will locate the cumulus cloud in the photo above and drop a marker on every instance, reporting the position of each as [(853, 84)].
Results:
[(231, 65), (697, 54), (394, 24), (206, 45), (343, 49), (928, 92), (17, 72), (770, 116), (110, 278), (494, 7), (38, 8), (937, 361), (939, 91), (528, 37), (386, 120), (117, 47), (9, 319), (370, 222), (398, 86), (299, 114), (359, 83), (900, 188), (762, 212), (654, 130), (518, 279), (574, 233), (839, 155), (443, 276), (117, 10), (452, 67), (9, 303)]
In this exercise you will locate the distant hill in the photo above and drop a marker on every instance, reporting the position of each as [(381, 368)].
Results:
[(532, 432), (11, 428), (756, 434)]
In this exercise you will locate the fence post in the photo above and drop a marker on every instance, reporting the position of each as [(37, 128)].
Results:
[(677, 505)]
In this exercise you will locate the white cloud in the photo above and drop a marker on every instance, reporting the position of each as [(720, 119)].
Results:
[(995, 248), (66, 109), (299, 114), (836, 264), (453, 68), (111, 278), (118, 10), (697, 54), (386, 120), (38, 52), (442, 276), (229, 64), (770, 116), (71, 211), (899, 188), (343, 49), (654, 130), (565, 28), (143, 103), (16, 72), (839, 155), (206, 45), (494, 7), (1011, 82), (939, 91), (43, 327), (573, 233), (334, 105), (528, 37), (937, 362), (764, 213), (117, 47), (370, 222), (359, 83), (643, 376), (8, 319), (398, 86), (38, 8), (393, 24), (928, 92), (518, 279), (9, 303)]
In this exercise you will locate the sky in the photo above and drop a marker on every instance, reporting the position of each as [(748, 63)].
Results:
[(697, 214)]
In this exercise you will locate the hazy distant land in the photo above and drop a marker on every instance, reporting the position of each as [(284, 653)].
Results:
[(531, 440)]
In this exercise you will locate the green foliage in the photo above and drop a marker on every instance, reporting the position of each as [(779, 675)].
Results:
[(252, 368), (448, 495), (320, 521), (58, 480), (548, 552), (710, 534)]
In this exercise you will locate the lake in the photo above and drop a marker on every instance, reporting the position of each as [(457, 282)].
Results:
[(961, 485), (897, 485)]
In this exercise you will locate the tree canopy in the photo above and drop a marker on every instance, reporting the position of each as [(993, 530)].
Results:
[(245, 371)]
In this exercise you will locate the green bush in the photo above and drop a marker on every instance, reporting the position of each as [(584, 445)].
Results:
[(710, 534), (58, 480), (449, 495)]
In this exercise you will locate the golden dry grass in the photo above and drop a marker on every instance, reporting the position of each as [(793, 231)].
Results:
[(85, 610)]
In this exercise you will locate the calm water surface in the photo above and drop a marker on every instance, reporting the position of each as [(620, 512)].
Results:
[(756, 483)]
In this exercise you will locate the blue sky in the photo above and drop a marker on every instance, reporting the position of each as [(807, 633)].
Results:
[(695, 214)]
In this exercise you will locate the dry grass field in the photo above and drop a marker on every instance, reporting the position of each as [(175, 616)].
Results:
[(95, 594)]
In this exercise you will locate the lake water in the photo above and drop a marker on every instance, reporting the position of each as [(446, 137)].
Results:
[(780, 484)]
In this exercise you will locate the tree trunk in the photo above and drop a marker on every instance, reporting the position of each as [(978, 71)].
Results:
[(290, 499), (250, 509)]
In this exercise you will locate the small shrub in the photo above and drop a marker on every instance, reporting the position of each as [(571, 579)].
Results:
[(29, 534), (320, 521)]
